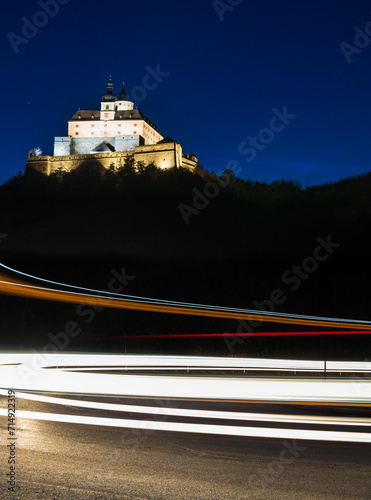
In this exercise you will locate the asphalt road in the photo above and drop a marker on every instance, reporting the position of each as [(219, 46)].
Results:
[(57, 460)]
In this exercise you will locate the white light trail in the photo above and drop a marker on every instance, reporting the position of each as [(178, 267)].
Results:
[(353, 437), (182, 412), (25, 376), (30, 375), (72, 362)]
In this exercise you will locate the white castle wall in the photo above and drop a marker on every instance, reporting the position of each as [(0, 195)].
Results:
[(65, 146)]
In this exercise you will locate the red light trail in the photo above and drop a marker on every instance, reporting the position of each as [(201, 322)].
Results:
[(258, 334)]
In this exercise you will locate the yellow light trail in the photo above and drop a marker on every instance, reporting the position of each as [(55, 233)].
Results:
[(22, 289)]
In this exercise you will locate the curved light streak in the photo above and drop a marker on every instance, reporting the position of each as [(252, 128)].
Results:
[(182, 412), (224, 430), (254, 334), (40, 373), (167, 302), (40, 362), (29, 374), (169, 307), (76, 362)]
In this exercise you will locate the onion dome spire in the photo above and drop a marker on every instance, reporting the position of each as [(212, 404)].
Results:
[(109, 96)]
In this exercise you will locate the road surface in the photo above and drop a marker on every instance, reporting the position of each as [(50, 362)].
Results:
[(78, 461)]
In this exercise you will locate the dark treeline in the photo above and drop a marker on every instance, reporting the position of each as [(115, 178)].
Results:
[(196, 214), (192, 237)]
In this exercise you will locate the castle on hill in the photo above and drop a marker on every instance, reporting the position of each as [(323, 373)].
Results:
[(109, 136)]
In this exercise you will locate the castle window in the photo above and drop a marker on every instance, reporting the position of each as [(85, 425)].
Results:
[(105, 115), (135, 125), (76, 133), (93, 125), (92, 133), (77, 126), (119, 124), (105, 124), (118, 133), (107, 107)]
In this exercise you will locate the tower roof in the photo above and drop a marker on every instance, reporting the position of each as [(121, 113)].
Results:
[(123, 94), (109, 96)]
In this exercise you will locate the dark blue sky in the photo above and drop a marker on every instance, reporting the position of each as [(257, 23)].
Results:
[(224, 79)]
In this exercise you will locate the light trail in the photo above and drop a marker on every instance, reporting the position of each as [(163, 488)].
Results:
[(254, 334), (182, 412), (30, 374), (224, 430), (19, 288), (40, 362)]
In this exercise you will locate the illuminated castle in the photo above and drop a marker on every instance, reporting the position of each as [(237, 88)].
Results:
[(109, 136)]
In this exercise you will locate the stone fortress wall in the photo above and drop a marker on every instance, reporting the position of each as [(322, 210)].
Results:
[(165, 155)]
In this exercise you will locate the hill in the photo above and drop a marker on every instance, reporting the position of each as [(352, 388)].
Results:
[(196, 238)]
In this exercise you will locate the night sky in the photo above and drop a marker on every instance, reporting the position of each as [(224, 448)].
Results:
[(222, 73)]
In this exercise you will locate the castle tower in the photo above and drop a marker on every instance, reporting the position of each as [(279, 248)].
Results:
[(123, 104), (108, 104), (109, 96)]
